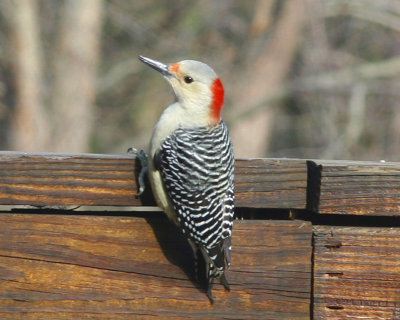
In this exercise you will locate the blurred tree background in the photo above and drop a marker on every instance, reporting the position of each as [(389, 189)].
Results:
[(303, 78)]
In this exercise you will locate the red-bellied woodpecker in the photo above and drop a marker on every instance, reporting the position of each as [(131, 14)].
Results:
[(191, 163)]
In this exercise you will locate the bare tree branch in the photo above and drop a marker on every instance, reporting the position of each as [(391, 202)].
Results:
[(356, 118), (262, 78), (364, 10), (343, 78)]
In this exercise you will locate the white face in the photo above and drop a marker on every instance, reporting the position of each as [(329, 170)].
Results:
[(198, 90), (191, 81)]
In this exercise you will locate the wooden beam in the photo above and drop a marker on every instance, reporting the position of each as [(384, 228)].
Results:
[(271, 183), (356, 273), (336, 187), (61, 179), (358, 187), (93, 179), (63, 267)]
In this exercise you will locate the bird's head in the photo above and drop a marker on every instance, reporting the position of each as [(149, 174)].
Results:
[(197, 87)]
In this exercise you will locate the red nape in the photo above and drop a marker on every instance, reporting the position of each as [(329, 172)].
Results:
[(217, 101)]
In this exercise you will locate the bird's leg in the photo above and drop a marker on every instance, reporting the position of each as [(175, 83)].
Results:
[(224, 282), (142, 157), (196, 260), (210, 279), (209, 283), (196, 266)]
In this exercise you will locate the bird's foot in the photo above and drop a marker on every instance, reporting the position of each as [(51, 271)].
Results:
[(224, 282), (209, 290), (142, 157)]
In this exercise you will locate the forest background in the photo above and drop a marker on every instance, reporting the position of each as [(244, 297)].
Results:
[(303, 78)]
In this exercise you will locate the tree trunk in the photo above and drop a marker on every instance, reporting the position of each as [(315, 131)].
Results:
[(29, 126), (262, 78), (75, 67)]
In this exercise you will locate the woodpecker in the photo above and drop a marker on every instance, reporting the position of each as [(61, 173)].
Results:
[(191, 164)]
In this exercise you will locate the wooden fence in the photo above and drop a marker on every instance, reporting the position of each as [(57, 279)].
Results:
[(314, 240)]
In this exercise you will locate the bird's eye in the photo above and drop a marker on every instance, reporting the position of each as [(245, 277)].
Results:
[(188, 79)]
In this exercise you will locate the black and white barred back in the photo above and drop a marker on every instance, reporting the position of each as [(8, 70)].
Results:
[(197, 170)]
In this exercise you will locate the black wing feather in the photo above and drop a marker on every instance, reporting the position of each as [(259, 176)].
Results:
[(197, 170)]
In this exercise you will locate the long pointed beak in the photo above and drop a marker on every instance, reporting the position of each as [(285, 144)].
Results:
[(156, 65)]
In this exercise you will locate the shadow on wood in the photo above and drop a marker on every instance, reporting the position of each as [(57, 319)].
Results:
[(177, 250), (63, 267)]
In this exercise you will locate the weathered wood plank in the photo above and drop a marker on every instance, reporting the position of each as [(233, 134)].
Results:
[(92, 179), (356, 273), (56, 179), (271, 183), (63, 267), (361, 188)]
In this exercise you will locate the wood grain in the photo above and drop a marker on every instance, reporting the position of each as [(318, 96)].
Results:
[(359, 188), (110, 267), (356, 273), (271, 183), (336, 187), (93, 179), (55, 179)]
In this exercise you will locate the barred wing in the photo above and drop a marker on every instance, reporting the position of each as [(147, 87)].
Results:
[(197, 170)]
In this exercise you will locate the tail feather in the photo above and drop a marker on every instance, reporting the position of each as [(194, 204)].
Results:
[(217, 259)]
